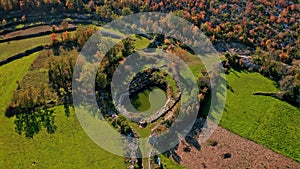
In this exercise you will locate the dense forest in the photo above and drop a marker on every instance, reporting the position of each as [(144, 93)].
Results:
[(272, 26)]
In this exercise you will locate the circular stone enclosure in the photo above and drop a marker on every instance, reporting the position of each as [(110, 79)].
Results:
[(152, 92)]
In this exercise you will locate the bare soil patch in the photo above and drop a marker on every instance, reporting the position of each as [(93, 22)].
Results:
[(33, 30), (225, 149)]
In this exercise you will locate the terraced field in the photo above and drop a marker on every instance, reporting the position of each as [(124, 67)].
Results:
[(14, 47)]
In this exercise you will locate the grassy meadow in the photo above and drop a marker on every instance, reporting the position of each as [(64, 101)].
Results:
[(265, 120), (68, 147), (14, 47)]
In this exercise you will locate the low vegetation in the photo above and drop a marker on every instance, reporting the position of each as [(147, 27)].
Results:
[(9, 76), (26, 104), (11, 48), (265, 120)]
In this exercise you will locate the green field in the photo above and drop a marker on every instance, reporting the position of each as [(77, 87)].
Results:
[(265, 120), (170, 164), (11, 48), (9, 74), (68, 147), (140, 42)]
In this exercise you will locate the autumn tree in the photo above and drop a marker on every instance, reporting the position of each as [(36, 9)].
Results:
[(53, 39), (64, 25), (83, 33), (66, 37), (70, 4), (4, 22), (23, 18), (60, 76), (30, 99), (91, 5)]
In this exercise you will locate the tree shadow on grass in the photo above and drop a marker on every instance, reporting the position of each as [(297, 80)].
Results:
[(31, 123), (229, 87), (235, 73), (67, 110)]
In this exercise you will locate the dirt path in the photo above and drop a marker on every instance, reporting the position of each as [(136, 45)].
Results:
[(244, 154)]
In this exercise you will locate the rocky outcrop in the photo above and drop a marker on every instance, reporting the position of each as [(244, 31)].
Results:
[(248, 62), (233, 48)]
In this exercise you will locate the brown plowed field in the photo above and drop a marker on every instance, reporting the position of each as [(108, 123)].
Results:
[(244, 154)]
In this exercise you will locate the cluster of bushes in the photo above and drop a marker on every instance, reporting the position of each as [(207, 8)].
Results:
[(30, 99), (147, 78), (122, 125), (30, 105), (78, 38), (60, 75), (272, 26), (41, 95), (60, 69)]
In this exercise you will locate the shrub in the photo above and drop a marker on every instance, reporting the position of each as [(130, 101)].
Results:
[(227, 155), (4, 22), (213, 142), (23, 18), (64, 25)]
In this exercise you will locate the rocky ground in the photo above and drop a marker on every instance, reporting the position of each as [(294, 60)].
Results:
[(225, 149)]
